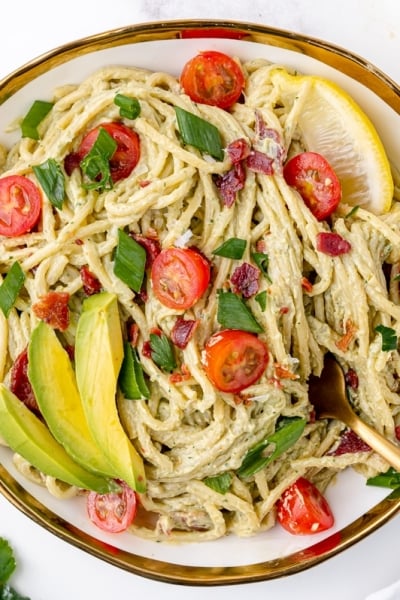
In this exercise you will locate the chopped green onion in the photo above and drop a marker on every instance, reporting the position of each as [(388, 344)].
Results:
[(199, 133), (389, 479), (162, 352), (130, 261), (131, 377), (232, 248), (352, 212), (219, 483), (52, 180), (389, 337), (96, 164), (287, 433), (34, 116), (261, 298), (10, 288), (128, 107), (262, 262), (233, 313)]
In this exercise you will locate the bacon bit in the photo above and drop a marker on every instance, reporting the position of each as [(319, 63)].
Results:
[(52, 308), (146, 350), (184, 375), (284, 310), (230, 183), (151, 244), (351, 379), (133, 334), (144, 183), (282, 373), (238, 150), (332, 244), (242, 399), (91, 285), (349, 443), (275, 382), (397, 432), (306, 284), (259, 162), (261, 246), (183, 331), (20, 384), (70, 350), (71, 162), (262, 131), (79, 242), (245, 280), (345, 341)]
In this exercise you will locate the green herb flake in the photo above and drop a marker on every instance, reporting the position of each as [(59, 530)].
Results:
[(96, 164), (7, 561), (389, 479), (131, 377), (51, 178), (261, 299), (162, 352), (389, 337), (129, 108), (35, 115), (219, 483), (233, 313), (232, 248), (130, 261), (199, 133), (288, 431), (10, 288)]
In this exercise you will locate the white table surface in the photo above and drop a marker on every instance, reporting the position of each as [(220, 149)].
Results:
[(49, 569)]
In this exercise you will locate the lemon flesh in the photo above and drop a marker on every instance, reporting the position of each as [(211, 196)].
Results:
[(331, 123)]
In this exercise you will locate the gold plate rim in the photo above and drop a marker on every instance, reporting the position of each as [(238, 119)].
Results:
[(348, 63)]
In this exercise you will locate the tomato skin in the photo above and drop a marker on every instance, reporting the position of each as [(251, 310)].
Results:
[(20, 205), (315, 180), (213, 78), (113, 512), (234, 359), (127, 154), (179, 277), (303, 510)]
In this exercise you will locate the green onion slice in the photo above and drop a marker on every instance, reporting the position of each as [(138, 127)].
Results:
[(130, 261), (389, 337), (389, 479), (131, 377), (233, 313), (33, 118), (96, 164), (233, 248), (129, 107), (288, 431), (219, 483), (262, 261), (199, 133), (10, 288), (51, 178), (162, 352), (261, 299)]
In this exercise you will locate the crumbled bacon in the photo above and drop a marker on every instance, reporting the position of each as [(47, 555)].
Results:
[(150, 244), (53, 309), (133, 334), (245, 280), (230, 183), (91, 285), (348, 336), (397, 432), (71, 162), (332, 243), (306, 284), (260, 162), (350, 442), (238, 150), (183, 331), (184, 375), (282, 372), (351, 379), (20, 384)]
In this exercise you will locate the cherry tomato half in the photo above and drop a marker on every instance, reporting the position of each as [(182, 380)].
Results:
[(20, 205), (127, 154), (113, 512), (303, 510), (180, 277), (234, 359), (315, 180), (213, 78)]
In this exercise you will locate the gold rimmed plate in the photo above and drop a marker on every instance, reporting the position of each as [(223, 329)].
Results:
[(166, 47)]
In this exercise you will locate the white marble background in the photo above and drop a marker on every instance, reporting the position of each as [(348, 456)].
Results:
[(49, 569)]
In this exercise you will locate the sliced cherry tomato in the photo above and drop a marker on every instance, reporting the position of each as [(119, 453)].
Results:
[(20, 205), (213, 78), (127, 154), (180, 277), (315, 180), (234, 359), (113, 512), (303, 510)]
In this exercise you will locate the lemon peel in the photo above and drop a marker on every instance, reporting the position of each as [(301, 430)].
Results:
[(331, 123)]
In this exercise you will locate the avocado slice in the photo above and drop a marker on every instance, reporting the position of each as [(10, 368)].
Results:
[(98, 357), (53, 381), (28, 436)]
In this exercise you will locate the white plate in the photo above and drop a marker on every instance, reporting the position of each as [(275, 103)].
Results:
[(161, 47)]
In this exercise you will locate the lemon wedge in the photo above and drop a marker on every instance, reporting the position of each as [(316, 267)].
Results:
[(331, 123)]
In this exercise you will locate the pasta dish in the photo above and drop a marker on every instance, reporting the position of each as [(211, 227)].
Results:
[(220, 442)]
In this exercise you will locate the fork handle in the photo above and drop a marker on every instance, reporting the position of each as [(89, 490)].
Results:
[(389, 451)]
